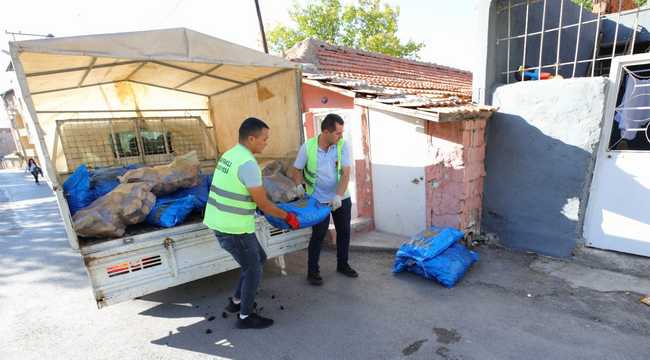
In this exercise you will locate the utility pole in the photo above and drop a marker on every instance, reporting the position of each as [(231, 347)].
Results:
[(259, 18)]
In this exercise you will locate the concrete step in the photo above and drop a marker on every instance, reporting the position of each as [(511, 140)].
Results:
[(375, 240)]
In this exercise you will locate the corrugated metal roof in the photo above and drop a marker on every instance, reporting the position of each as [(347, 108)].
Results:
[(388, 80)]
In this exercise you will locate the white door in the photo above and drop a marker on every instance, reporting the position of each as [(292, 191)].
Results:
[(618, 212), (398, 149)]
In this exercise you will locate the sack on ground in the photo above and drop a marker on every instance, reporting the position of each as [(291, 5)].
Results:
[(171, 211), (308, 211), (436, 254), (183, 172), (77, 190), (109, 215)]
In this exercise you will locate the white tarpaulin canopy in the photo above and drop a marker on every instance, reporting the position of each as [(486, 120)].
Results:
[(171, 72), (178, 59)]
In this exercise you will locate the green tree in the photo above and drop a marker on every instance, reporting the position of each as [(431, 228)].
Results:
[(367, 25)]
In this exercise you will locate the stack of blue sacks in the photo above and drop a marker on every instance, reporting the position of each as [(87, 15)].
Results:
[(436, 254), (171, 210), (85, 186)]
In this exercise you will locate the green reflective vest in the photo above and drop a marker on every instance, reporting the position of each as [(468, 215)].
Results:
[(309, 172), (230, 208)]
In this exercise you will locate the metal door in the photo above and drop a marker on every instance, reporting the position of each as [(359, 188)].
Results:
[(618, 211)]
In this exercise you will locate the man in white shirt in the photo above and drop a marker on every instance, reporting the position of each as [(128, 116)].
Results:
[(323, 164)]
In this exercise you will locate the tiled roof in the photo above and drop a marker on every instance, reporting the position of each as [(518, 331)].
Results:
[(383, 70), (386, 79)]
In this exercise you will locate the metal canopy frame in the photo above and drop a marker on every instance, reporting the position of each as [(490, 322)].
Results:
[(198, 75)]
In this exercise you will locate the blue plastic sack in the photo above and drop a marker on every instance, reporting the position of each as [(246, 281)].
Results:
[(200, 193), (171, 210), (77, 191), (430, 243), (436, 254), (104, 180), (308, 211)]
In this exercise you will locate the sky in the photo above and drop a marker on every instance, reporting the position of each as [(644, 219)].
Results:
[(444, 26)]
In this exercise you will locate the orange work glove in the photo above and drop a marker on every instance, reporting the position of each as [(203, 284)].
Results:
[(292, 220)]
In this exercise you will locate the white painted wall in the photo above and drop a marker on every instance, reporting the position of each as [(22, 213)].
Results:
[(399, 151)]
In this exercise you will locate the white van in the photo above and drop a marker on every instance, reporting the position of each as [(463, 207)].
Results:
[(146, 97)]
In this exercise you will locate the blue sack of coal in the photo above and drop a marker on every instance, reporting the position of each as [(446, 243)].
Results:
[(171, 211), (308, 211), (77, 190), (104, 180), (436, 254), (200, 192)]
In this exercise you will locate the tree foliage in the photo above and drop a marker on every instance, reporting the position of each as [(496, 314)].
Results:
[(367, 25)]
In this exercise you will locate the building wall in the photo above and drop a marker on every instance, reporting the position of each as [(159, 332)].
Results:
[(455, 177), (540, 153), (7, 144), (426, 173)]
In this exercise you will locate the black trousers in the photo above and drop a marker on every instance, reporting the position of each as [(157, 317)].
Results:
[(342, 217)]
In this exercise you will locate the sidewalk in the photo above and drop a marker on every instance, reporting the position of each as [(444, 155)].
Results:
[(509, 306)]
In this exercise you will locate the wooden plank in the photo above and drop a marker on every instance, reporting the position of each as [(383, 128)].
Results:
[(333, 88), (280, 112), (430, 116)]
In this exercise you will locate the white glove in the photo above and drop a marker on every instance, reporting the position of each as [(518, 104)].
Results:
[(336, 202)]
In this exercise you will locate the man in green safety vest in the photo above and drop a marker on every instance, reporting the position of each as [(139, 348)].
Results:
[(236, 191), (323, 164)]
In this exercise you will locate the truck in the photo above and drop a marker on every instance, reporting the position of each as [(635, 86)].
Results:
[(144, 98)]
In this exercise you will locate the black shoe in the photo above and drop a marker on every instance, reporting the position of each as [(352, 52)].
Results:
[(315, 279), (233, 308), (253, 321), (347, 271)]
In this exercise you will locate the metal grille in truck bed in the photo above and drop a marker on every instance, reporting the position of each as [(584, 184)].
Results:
[(121, 141)]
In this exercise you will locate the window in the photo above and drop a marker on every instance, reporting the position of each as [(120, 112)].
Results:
[(153, 143), (631, 125)]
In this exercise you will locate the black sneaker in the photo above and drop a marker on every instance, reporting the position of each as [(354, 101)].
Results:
[(233, 308), (315, 279), (253, 321), (347, 271)]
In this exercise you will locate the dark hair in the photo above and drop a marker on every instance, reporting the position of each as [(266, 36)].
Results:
[(251, 127), (330, 121), (31, 161)]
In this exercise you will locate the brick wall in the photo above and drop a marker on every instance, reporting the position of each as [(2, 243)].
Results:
[(455, 180)]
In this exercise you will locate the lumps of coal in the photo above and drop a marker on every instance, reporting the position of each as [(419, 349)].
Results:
[(211, 318), (209, 331), (224, 315), (281, 307)]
